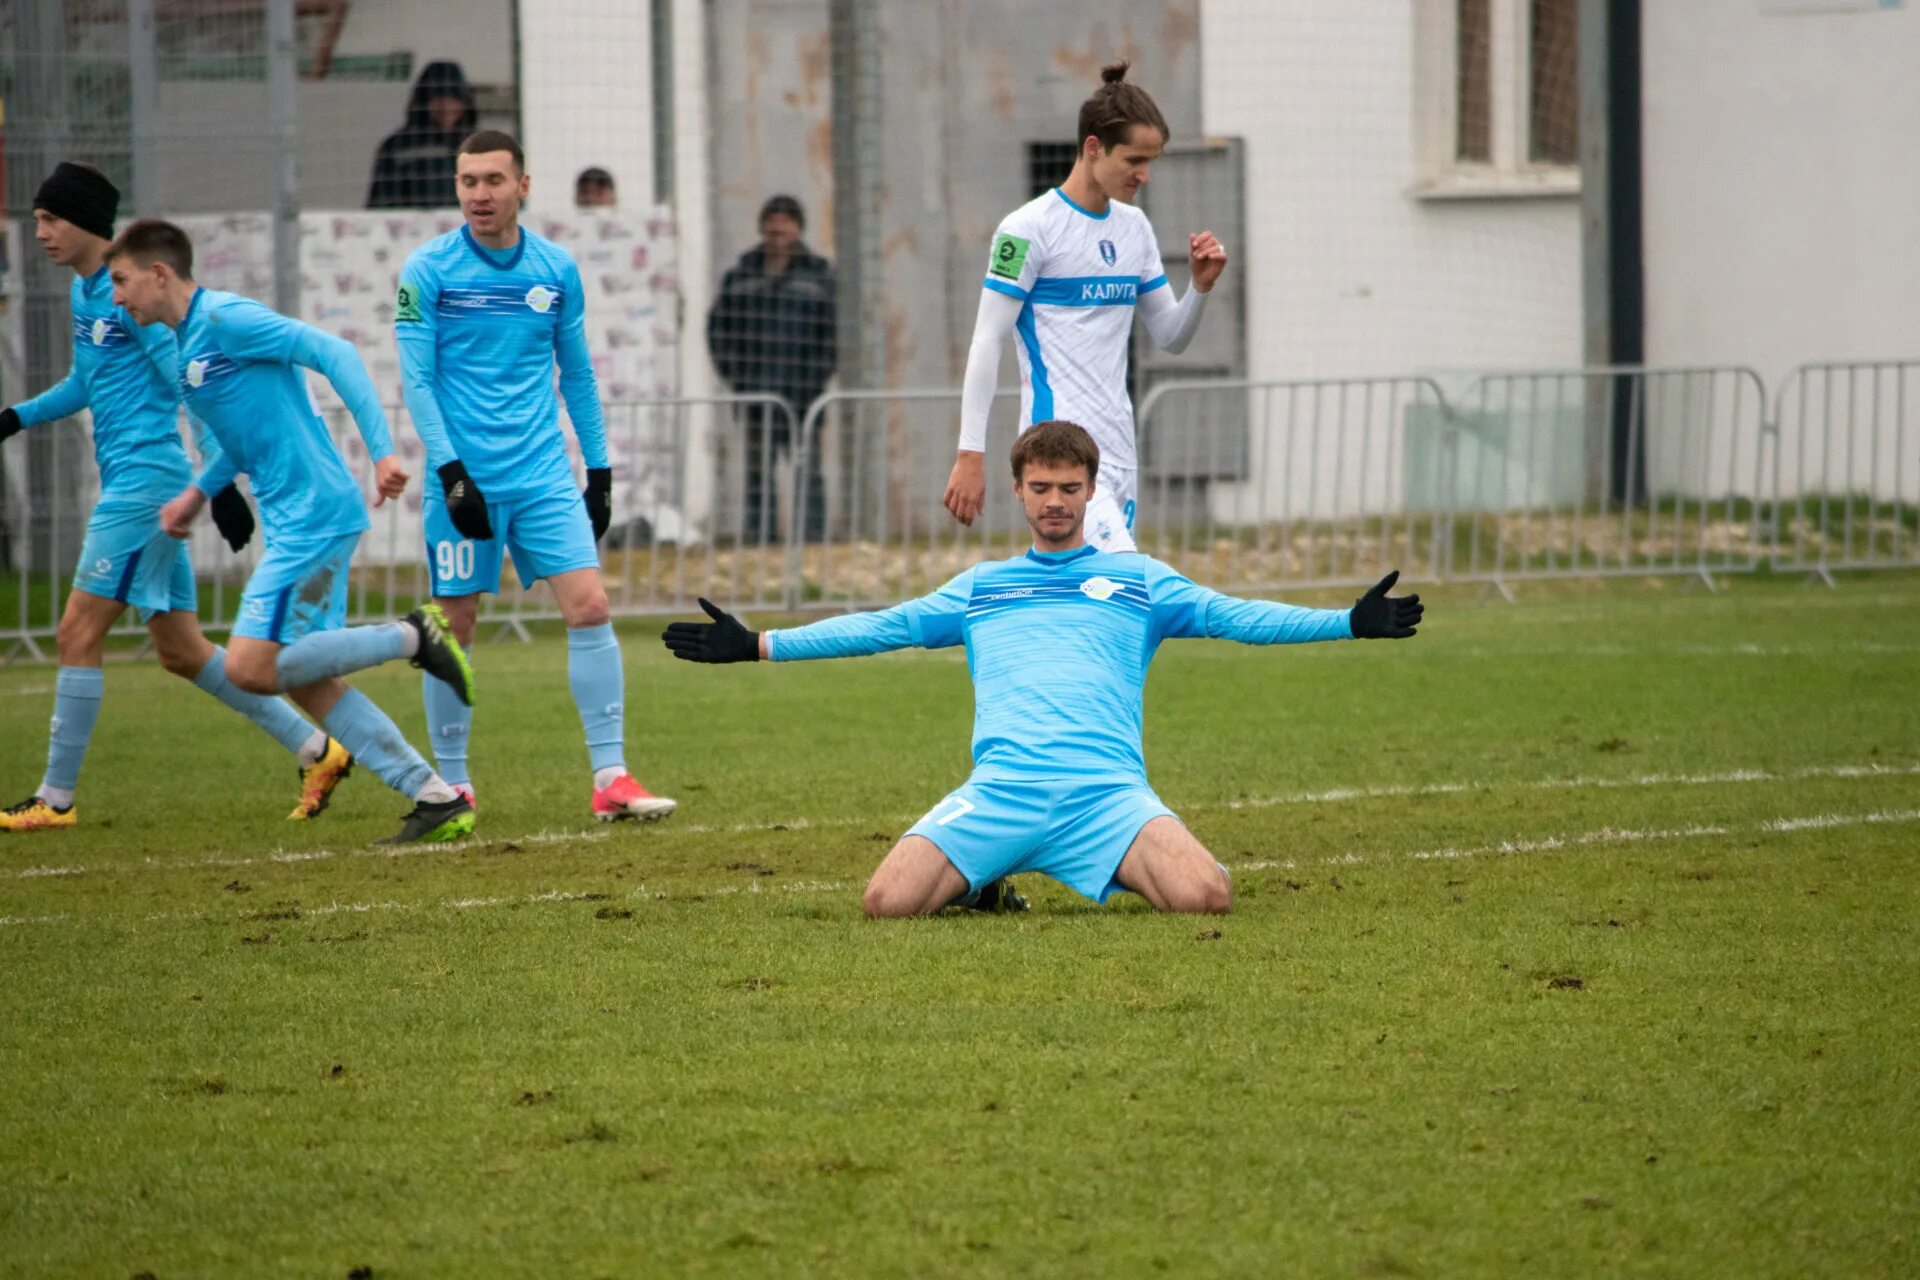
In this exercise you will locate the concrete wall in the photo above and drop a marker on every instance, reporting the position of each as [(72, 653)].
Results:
[(1781, 187), (1348, 270), (967, 84)]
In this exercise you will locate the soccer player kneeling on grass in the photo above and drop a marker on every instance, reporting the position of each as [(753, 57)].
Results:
[(241, 373), (1058, 641)]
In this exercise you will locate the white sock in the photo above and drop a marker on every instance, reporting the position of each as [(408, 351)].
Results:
[(410, 644), (313, 748), (603, 778), (436, 791), (58, 797)]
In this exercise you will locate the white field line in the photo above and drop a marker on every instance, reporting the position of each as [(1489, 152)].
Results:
[(1503, 848), (1335, 795)]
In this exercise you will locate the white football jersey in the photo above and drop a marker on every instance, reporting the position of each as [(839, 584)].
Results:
[(1079, 275)]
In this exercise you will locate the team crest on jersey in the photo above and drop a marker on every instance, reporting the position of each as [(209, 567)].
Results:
[(1099, 588), (100, 331), (196, 372), (541, 298), (1108, 254)]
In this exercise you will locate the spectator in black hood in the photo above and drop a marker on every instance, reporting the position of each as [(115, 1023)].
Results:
[(414, 169), (772, 332)]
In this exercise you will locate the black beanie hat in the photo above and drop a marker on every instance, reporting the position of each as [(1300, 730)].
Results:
[(82, 195)]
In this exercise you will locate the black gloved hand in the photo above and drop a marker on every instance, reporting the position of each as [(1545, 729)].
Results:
[(10, 423), (1375, 616), (599, 498), (722, 640), (232, 516), (465, 503)]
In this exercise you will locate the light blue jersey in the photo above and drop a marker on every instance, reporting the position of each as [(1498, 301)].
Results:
[(125, 373), (240, 373), (1059, 644), (480, 331)]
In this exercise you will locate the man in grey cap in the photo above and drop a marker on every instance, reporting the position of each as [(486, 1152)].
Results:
[(771, 331)]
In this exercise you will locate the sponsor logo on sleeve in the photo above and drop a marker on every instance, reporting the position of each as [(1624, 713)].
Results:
[(406, 304), (1009, 256)]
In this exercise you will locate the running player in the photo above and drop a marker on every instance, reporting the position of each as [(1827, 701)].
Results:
[(126, 374), (1058, 642), (242, 372), (1067, 272), (483, 314)]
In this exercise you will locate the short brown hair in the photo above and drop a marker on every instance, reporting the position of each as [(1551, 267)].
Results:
[(151, 240), (479, 144), (1115, 108), (1055, 442)]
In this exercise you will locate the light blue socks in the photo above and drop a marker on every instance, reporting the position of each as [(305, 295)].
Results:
[(336, 653), (599, 686), (76, 705), (449, 721), (376, 741), (276, 716)]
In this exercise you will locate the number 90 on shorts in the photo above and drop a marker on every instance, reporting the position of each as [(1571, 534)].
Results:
[(453, 561)]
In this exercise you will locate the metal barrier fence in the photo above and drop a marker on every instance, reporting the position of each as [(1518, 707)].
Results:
[(1607, 471), (1846, 478), (1245, 486)]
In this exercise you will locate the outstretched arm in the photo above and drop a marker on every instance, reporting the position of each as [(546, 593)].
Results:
[(931, 622), (62, 400), (1182, 608)]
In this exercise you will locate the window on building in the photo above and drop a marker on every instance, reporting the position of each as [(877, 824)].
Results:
[(1498, 97), (1048, 164)]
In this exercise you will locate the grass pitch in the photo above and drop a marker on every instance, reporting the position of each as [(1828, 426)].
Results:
[(1573, 937)]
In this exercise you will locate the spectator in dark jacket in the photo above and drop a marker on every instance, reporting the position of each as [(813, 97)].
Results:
[(771, 331), (414, 168)]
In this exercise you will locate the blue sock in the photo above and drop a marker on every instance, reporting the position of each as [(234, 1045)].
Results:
[(599, 685), (449, 720), (275, 715), (376, 742), (337, 653), (76, 705)]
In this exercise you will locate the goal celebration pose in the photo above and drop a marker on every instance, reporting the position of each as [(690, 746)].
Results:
[(242, 373), (126, 373), (1058, 642), (483, 315), (1067, 272)]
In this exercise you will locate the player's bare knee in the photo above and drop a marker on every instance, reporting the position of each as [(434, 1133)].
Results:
[(589, 610), (463, 616), (253, 673), (179, 660), (79, 640)]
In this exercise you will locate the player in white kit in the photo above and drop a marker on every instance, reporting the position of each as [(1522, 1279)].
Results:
[(1067, 272)]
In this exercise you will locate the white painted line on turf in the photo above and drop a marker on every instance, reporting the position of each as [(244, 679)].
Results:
[(1334, 795)]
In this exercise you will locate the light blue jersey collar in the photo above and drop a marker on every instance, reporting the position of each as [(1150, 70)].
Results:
[(1079, 209), (193, 305), (1057, 558), (486, 255)]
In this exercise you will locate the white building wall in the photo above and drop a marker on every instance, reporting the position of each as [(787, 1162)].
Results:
[(1781, 188), (1348, 270), (586, 97)]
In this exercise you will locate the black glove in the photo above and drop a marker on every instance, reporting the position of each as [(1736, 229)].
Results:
[(10, 423), (232, 517), (722, 640), (465, 504), (599, 498), (1376, 617)]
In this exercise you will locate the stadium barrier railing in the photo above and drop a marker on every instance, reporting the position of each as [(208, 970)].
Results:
[(1243, 485), (1846, 480), (1606, 471), (883, 533), (1247, 485)]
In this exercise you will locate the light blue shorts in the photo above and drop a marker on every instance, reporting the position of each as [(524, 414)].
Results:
[(1076, 831), (545, 533), (296, 589), (127, 557)]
